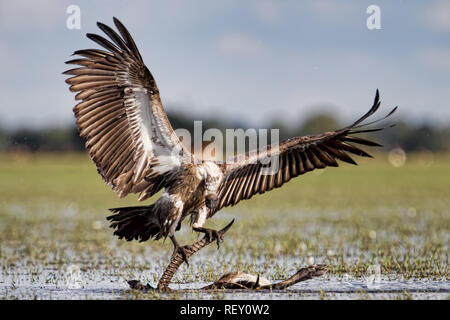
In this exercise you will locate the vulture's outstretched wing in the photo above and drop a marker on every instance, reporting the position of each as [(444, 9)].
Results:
[(121, 116), (251, 173)]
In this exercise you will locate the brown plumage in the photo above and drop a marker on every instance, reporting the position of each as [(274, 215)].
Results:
[(135, 149), (118, 93), (295, 156)]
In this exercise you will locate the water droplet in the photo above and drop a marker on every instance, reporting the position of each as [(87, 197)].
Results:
[(397, 157)]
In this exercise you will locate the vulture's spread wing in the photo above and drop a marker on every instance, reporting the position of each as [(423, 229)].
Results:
[(121, 115), (251, 173)]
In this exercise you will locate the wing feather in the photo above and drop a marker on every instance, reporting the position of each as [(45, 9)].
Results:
[(245, 177), (127, 132)]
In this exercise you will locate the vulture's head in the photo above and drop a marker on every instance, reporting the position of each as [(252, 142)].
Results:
[(212, 176)]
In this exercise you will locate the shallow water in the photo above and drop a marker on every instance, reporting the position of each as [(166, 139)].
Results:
[(76, 284)]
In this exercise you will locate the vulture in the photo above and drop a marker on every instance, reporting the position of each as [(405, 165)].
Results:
[(130, 139)]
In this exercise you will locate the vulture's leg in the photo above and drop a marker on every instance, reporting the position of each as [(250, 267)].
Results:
[(183, 250), (199, 220), (176, 260)]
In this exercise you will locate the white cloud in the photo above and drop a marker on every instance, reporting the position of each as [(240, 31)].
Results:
[(6, 54), (332, 10), (267, 11), (22, 15), (435, 58), (239, 44), (438, 16)]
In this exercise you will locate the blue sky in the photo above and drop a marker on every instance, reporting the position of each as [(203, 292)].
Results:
[(248, 60)]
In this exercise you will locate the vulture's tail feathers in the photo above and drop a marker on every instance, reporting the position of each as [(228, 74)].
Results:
[(135, 223)]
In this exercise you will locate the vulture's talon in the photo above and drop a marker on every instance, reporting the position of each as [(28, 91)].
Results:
[(218, 237), (211, 235)]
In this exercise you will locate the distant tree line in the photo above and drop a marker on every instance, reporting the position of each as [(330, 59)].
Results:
[(409, 136)]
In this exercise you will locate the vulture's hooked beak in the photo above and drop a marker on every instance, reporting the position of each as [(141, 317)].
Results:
[(211, 201)]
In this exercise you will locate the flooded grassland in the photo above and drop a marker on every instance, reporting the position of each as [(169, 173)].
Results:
[(383, 230)]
